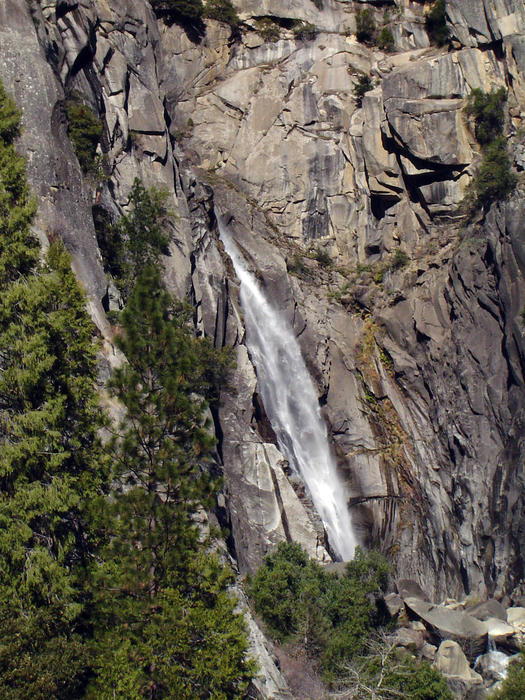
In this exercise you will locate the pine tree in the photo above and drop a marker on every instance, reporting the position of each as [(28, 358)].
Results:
[(138, 239), (51, 464), (167, 626), (19, 249), (51, 467)]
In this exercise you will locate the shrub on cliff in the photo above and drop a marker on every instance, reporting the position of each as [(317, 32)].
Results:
[(222, 11), (364, 84), (85, 132), (182, 10), (137, 240), (365, 26), (330, 616), (488, 111), (436, 23), (495, 179), (385, 40), (304, 30)]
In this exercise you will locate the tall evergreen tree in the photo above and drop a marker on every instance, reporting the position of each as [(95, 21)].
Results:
[(19, 250), (167, 622), (51, 464)]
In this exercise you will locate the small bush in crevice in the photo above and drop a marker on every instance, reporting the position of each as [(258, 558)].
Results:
[(173, 10), (222, 11), (436, 23), (399, 260), (365, 26), (268, 29), (487, 108), (494, 180), (85, 132), (385, 40), (363, 85)]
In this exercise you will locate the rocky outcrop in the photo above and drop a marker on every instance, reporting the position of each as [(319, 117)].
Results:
[(408, 317), (452, 663)]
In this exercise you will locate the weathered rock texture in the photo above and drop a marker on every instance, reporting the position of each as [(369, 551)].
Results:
[(419, 365)]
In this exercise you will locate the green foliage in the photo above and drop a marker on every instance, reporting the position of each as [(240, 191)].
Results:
[(178, 10), (166, 623), (51, 462), (296, 266), (19, 249), (436, 23), (268, 29), (363, 85), (365, 26), (513, 686), (85, 132), (51, 467), (399, 260), (222, 11), (330, 616), (494, 180), (10, 117), (417, 681), (185, 642), (42, 654), (137, 240), (487, 108), (142, 231), (385, 40)]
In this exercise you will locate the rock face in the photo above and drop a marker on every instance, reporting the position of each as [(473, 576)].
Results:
[(408, 317)]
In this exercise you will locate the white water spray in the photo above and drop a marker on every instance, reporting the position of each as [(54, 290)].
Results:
[(290, 401)]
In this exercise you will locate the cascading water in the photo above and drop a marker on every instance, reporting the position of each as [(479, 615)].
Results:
[(291, 404)]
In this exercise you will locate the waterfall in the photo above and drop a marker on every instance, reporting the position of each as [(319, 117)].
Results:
[(291, 404)]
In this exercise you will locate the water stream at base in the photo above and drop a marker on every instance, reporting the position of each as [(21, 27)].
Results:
[(291, 404)]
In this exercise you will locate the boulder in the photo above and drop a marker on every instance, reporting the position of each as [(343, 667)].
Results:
[(445, 624), (394, 604), (417, 626), (409, 639), (499, 631), (452, 662), (428, 651), (516, 617), (489, 608)]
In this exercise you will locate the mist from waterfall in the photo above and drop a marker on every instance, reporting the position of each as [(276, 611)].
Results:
[(291, 403)]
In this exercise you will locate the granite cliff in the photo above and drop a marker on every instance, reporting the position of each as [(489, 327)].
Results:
[(408, 314)]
